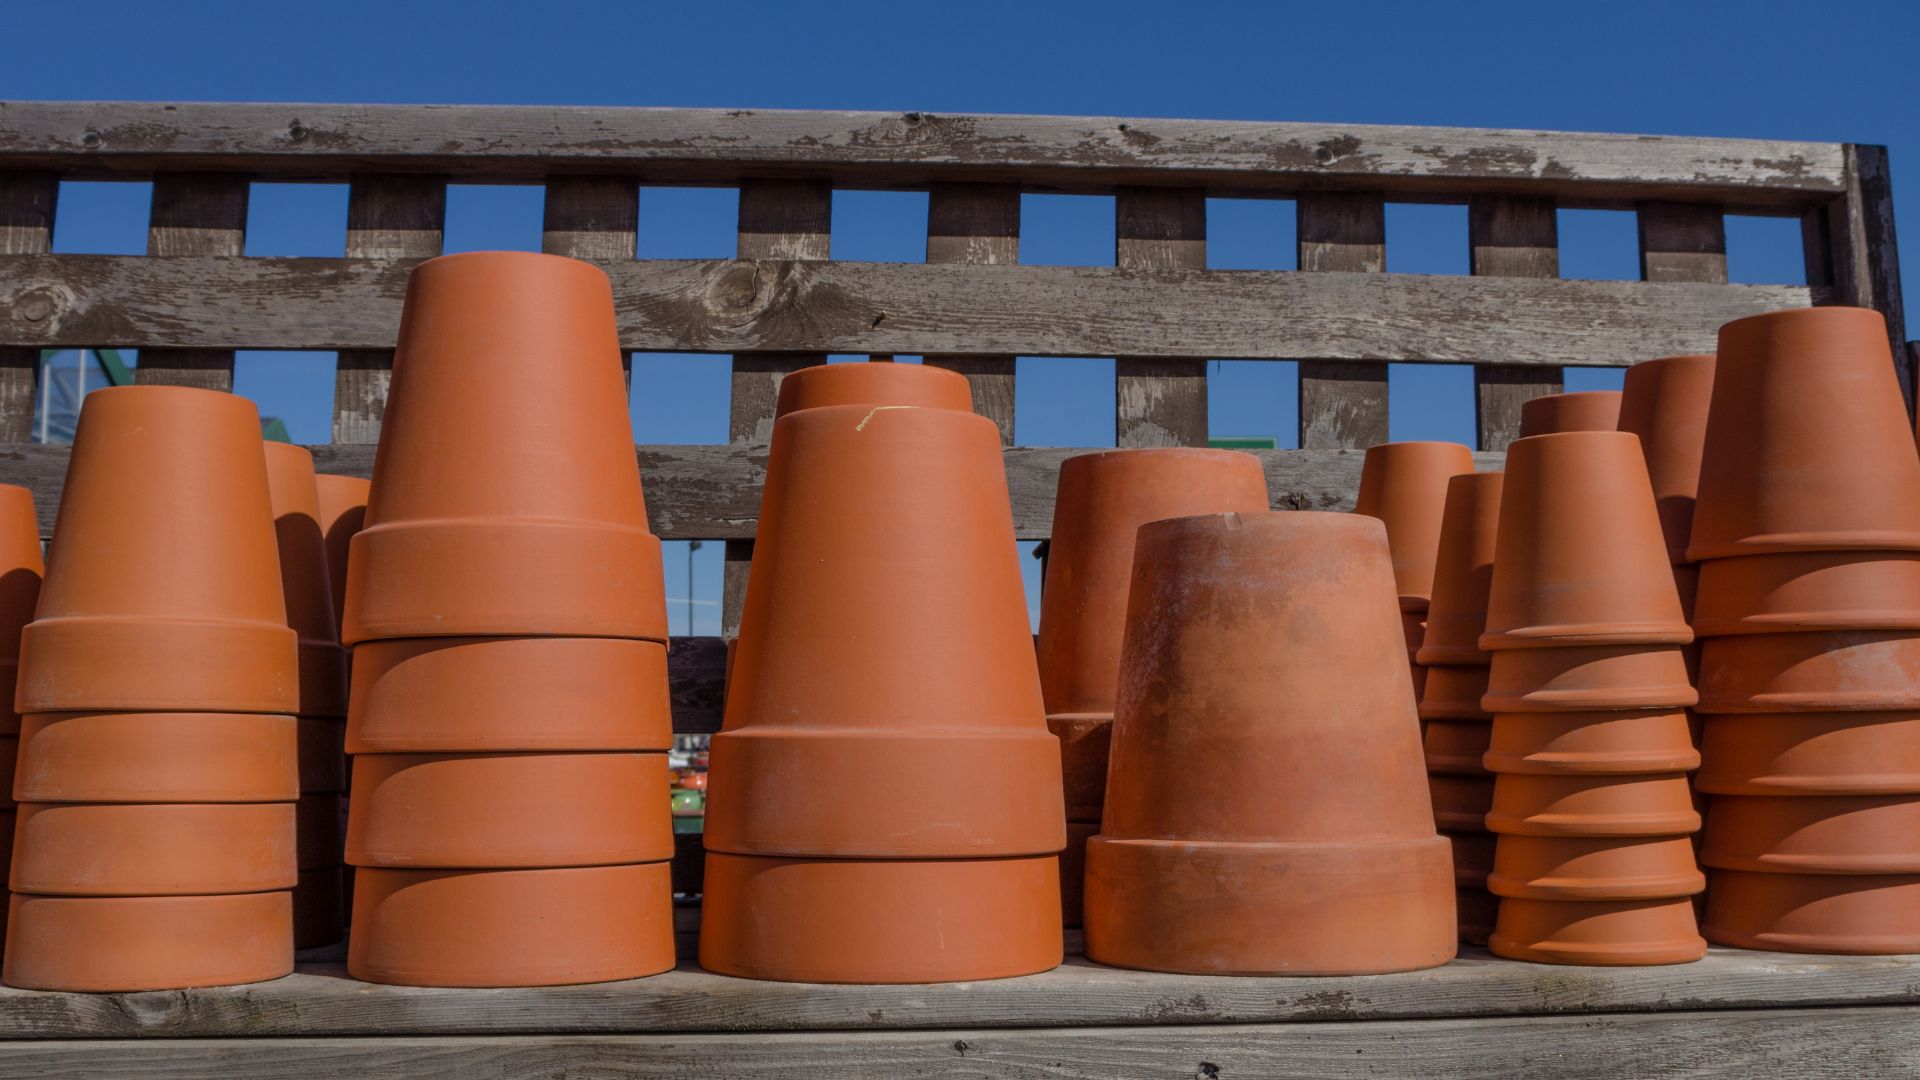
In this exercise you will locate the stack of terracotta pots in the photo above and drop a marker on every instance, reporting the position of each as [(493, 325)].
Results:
[(20, 572), (1581, 410), (508, 716), (343, 512), (884, 798), (1102, 501), (1457, 728), (158, 757), (1266, 808), (1404, 484), (1807, 531), (1589, 690)]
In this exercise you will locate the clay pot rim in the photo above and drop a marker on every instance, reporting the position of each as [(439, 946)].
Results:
[(1589, 764), (1575, 634), (1646, 954), (1642, 887), (1803, 543), (1452, 656), (1199, 452)]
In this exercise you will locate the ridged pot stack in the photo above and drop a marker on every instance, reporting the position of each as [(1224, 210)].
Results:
[(508, 712), (158, 767), (1807, 531), (1404, 484), (343, 512), (1588, 690), (1456, 727), (21, 570), (1102, 500), (884, 798)]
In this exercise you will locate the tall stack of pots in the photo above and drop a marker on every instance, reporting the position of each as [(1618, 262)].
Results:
[(1807, 531), (21, 570), (158, 762), (508, 717), (343, 512), (1404, 484)]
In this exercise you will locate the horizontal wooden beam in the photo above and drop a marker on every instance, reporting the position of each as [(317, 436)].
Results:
[(733, 306), (913, 149)]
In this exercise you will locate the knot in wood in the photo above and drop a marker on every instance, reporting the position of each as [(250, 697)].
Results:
[(739, 292), (39, 304)]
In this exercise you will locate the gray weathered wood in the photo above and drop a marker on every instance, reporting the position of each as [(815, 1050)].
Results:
[(1160, 401), (593, 217), (27, 203), (1343, 406), (1865, 257), (1682, 242), (1512, 237), (388, 217), (978, 225), (194, 214), (718, 146)]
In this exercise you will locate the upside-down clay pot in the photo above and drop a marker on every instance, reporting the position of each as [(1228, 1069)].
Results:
[(506, 498), (1584, 677), (21, 569), (492, 928), (343, 512), (1595, 868), (1581, 410), (1538, 804), (303, 575), (885, 701), (1810, 754), (117, 757), (1837, 671), (1404, 484), (1456, 746), (1084, 742), (1599, 933), (172, 849), (1665, 402), (1261, 646), (1580, 559), (1813, 834), (1818, 590), (1453, 692), (1617, 741), (1460, 800), (1820, 913), (1801, 400), (163, 584), (1463, 572), (103, 944), (915, 385)]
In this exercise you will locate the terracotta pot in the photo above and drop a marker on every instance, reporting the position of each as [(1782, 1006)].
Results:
[(9, 762), (164, 561), (304, 582), (1821, 590), (864, 921), (1460, 803), (479, 928), (177, 849), (1084, 742), (1800, 399), (1598, 933), (1664, 402), (323, 756), (1261, 645), (509, 693), (1814, 913), (20, 572), (157, 758), (343, 512), (1816, 834), (1457, 746), (1478, 910), (1589, 677), (530, 811), (1623, 741), (1811, 754), (906, 385), (1463, 571), (107, 944), (885, 701), (1404, 484), (1582, 410), (1453, 693), (1580, 559), (506, 497), (1413, 630), (1595, 868), (1840, 671), (1527, 804), (1073, 870), (318, 918)]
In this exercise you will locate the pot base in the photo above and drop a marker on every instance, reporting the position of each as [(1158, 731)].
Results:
[(1806, 913), (1810, 754), (121, 944), (1625, 933)]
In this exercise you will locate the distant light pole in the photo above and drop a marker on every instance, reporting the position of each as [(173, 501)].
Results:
[(692, 546)]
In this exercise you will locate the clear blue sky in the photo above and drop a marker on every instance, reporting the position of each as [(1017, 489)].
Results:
[(1756, 69)]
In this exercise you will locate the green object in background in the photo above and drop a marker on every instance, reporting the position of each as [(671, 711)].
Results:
[(274, 429), (1242, 442)]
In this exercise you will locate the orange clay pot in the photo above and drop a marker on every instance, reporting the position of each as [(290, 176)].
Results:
[(1582, 410), (505, 693), (1073, 870), (1456, 746), (1084, 742), (1664, 402), (303, 577), (1811, 754), (1814, 913), (1463, 571), (157, 758), (104, 944), (1579, 557), (1623, 741), (866, 921), (323, 757), (506, 498), (1527, 804), (1453, 693), (1255, 643), (1841, 671), (69, 849), (509, 810), (1800, 400), (20, 572), (1595, 868), (163, 590), (1813, 834), (1460, 803), (915, 385), (343, 512), (1598, 933), (479, 928), (1589, 677), (318, 916), (885, 701), (1404, 484), (1819, 590)]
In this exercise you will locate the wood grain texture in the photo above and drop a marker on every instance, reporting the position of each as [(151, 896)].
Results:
[(1160, 400), (1682, 242), (591, 217), (1343, 406), (1866, 257), (388, 217), (27, 204), (977, 225), (1513, 237), (194, 214)]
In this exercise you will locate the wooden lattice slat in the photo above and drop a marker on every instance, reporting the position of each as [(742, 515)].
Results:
[(27, 201), (978, 225), (1519, 238), (194, 214), (388, 217), (1161, 400), (1343, 406)]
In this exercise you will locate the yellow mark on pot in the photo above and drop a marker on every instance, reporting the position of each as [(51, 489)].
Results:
[(862, 425)]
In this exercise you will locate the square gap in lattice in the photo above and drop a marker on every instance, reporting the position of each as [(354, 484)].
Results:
[(297, 220), (1592, 378), (1599, 245), (1252, 234), (65, 378), (102, 217), (880, 226), (494, 217), (293, 389), (1765, 251), (680, 398), (1431, 401), (1063, 401), (1067, 230), (1254, 399), (689, 223), (694, 578), (1427, 238)]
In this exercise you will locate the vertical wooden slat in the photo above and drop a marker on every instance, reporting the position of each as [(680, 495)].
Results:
[(978, 224), (1682, 242), (388, 217), (1862, 265), (194, 214), (1160, 401), (593, 217), (1343, 406), (27, 201), (1511, 236)]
